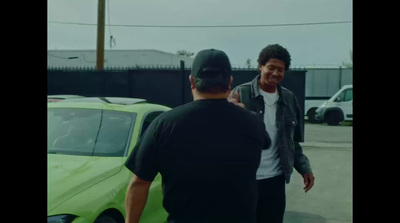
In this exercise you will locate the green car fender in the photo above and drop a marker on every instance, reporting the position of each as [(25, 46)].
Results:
[(80, 220), (153, 212), (111, 189)]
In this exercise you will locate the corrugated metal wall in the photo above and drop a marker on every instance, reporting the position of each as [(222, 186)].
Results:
[(326, 82)]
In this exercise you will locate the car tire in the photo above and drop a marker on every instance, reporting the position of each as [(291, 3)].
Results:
[(332, 118), (105, 219), (311, 115)]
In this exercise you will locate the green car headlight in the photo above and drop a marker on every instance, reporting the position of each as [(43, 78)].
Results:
[(66, 218)]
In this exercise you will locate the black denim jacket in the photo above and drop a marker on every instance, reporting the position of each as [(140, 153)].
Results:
[(289, 123)]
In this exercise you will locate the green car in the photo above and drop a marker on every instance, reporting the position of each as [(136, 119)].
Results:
[(89, 139)]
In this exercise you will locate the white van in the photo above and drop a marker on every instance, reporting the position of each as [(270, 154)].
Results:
[(338, 108), (310, 106)]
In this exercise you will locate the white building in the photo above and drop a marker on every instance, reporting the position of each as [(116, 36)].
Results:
[(115, 59)]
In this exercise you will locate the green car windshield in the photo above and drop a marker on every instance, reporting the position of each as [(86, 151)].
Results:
[(88, 132)]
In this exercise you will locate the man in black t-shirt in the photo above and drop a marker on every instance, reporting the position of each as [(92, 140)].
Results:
[(207, 152)]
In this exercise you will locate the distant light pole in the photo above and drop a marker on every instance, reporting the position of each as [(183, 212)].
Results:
[(100, 35)]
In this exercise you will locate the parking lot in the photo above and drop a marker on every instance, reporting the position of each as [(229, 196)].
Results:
[(329, 149)]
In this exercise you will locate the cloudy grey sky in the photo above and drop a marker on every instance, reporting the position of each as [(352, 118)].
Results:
[(72, 25)]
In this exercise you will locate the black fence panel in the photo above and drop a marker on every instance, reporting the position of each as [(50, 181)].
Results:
[(243, 76), (296, 82), (87, 83), (170, 87), (156, 86), (117, 84)]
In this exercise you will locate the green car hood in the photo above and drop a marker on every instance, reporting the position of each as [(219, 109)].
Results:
[(69, 175)]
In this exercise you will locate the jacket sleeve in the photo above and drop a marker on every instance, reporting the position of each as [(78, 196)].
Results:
[(244, 92), (301, 162), (235, 90), (244, 96)]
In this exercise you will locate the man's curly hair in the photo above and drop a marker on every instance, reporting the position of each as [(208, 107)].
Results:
[(274, 51)]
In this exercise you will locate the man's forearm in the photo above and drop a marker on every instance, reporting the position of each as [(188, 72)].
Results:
[(135, 200)]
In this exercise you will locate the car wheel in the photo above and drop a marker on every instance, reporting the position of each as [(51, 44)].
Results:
[(332, 118), (105, 219), (311, 115)]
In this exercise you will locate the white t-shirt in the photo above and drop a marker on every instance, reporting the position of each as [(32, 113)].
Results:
[(269, 164)]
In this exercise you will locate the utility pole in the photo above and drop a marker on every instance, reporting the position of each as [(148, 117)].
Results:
[(100, 35)]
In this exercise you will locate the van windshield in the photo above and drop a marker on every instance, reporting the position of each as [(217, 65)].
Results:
[(346, 95)]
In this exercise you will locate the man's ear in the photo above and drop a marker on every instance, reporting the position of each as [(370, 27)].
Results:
[(191, 81), (230, 82)]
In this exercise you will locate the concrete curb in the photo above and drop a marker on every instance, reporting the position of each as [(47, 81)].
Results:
[(326, 144)]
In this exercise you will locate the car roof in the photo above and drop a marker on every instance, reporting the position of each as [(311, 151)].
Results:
[(109, 103), (56, 98), (64, 96)]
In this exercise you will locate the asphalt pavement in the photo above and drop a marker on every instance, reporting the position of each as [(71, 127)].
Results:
[(329, 149)]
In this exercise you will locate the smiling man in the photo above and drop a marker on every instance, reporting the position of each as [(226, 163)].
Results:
[(282, 116)]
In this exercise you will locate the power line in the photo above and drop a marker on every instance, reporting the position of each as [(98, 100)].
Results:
[(112, 39), (205, 26)]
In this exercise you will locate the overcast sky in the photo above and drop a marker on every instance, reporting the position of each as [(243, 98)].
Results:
[(310, 45)]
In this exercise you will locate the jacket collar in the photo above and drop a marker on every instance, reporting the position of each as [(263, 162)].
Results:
[(255, 92)]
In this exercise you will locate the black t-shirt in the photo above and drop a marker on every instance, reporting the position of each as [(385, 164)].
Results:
[(207, 152)]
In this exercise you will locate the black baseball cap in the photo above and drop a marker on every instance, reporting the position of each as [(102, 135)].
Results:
[(211, 63)]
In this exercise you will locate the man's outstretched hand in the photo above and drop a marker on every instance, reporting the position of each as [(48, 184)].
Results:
[(234, 97)]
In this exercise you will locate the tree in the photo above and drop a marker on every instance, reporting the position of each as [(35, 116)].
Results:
[(248, 63), (184, 53), (349, 65)]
